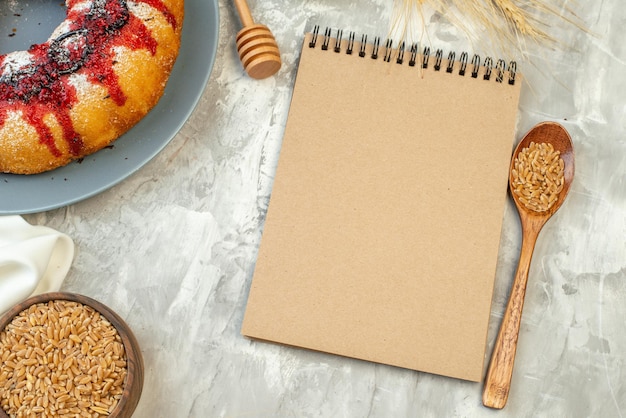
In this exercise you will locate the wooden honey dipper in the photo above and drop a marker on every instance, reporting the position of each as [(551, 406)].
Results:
[(257, 47)]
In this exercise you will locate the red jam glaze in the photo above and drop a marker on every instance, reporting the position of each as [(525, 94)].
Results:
[(43, 88)]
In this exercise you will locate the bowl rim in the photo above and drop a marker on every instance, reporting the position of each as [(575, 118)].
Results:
[(134, 359)]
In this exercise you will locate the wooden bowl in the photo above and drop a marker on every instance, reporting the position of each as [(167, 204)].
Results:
[(133, 383)]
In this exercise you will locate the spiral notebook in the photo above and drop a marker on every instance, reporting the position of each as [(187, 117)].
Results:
[(383, 227)]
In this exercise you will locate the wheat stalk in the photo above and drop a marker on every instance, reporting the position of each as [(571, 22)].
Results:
[(508, 24)]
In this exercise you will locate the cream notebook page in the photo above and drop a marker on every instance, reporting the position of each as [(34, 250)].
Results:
[(383, 228)]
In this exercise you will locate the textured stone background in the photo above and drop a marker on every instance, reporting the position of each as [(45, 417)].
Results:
[(172, 248)]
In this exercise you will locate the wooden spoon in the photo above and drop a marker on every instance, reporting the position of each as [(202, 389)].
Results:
[(257, 47), (498, 379)]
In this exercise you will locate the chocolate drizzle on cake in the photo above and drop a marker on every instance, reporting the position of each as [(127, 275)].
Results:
[(38, 82), (66, 54)]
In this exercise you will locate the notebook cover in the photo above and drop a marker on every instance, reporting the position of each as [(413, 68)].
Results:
[(383, 228)]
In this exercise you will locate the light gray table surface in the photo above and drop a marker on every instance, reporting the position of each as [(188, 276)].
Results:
[(172, 248)]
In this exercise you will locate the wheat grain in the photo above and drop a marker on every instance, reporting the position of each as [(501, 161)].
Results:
[(61, 358), (537, 176)]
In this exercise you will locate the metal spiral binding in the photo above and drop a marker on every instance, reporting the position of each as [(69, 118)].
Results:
[(463, 61), (488, 67), (388, 50), (400, 58), (475, 65), (450, 66), (499, 69), (326, 39), (413, 55), (426, 58), (338, 41), (438, 58), (363, 43), (316, 31), (512, 72), (376, 46), (350, 43)]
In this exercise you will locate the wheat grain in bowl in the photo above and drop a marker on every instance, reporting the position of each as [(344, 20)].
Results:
[(537, 176), (61, 358)]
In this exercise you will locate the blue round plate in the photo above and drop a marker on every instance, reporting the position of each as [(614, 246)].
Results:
[(20, 194)]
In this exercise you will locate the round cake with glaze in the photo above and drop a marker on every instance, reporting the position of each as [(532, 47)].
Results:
[(100, 72)]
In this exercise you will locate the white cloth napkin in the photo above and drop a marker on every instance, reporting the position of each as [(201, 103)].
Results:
[(33, 260)]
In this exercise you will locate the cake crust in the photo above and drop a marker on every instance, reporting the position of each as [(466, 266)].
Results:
[(100, 72)]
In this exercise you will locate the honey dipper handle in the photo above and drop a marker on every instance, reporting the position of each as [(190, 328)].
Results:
[(244, 13), (498, 379)]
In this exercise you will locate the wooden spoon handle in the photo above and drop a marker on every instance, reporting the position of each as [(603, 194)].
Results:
[(498, 379)]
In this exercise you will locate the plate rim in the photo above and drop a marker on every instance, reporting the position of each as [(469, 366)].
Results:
[(212, 30)]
